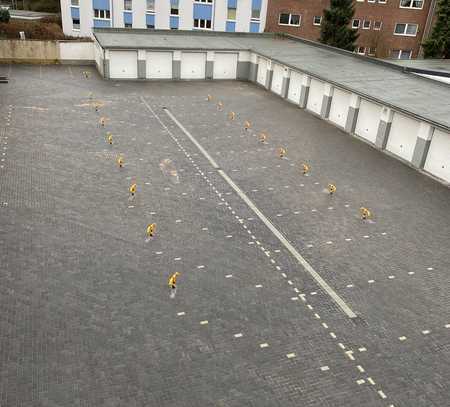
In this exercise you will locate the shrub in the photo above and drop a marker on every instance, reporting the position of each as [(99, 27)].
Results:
[(4, 15)]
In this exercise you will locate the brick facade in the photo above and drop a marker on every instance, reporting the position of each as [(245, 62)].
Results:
[(384, 41)]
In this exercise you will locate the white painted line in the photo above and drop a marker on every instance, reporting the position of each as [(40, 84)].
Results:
[(290, 282), (371, 281), (263, 345), (325, 286), (296, 290), (310, 307), (402, 338), (411, 273), (228, 236), (158, 252), (430, 268), (278, 268), (426, 332), (447, 326), (314, 293), (294, 298), (324, 325), (348, 239), (181, 313), (349, 353), (391, 277), (360, 381), (362, 349), (272, 261), (382, 395), (203, 322), (258, 286), (290, 355), (317, 316), (284, 275), (360, 368), (350, 285), (229, 276), (370, 380), (201, 266), (302, 297), (239, 335), (324, 368), (177, 258), (341, 345)]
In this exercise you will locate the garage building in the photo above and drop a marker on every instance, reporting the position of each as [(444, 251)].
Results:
[(373, 100)]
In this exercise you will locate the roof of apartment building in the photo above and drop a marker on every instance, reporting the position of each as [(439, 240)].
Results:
[(381, 81), (29, 15)]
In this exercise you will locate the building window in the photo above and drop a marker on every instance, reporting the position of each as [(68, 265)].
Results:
[(174, 8), (127, 5), (75, 3), (151, 5), (203, 1), (401, 54), (202, 23), (361, 50), (355, 23), (372, 51), (406, 29), (370, 1), (382, 1), (231, 14), (366, 25), (150, 25), (377, 25), (256, 13), (317, 20), (411, 4), (76, 24), (128, 25), (104, 14), (289, 19)]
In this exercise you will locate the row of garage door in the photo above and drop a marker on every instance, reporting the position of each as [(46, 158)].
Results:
[(403, 133), (124, 65)]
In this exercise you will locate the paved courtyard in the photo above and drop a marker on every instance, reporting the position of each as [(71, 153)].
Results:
[(85, 313)]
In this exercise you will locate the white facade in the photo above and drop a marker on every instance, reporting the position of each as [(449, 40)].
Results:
[(79, 17)]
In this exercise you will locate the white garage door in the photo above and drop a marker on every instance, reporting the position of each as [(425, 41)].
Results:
[(339, 107), (315, 96), (159, 65), (193, 65), (402, 137), (277, 79), (262, 71), (438, 158), (225, 66), (295, 86), (368, 120), (123, 64)]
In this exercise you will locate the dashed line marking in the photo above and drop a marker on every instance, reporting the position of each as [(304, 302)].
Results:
[(290, 355), (229, 276), (324, 368), (203, 322), (239, 335), (382, 395), (181, 314), (263, 345)]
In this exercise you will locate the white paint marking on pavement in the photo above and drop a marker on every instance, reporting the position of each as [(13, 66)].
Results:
[(239, 335), (360, 381), (324, 325), (362, 349), (325, 286), (402, 338), (371, 281), (290, 355), (229, 276), (203, 322), (258, 285), (324, 368), (426, 332), (382, 395), (263, 345), (370, 380), (349, 353), (181, 313), (360, 368)]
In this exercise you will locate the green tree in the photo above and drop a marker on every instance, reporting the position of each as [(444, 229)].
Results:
[(336, 30), (4, 15), (438, 45)]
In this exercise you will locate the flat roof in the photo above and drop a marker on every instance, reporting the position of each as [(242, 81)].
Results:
[(29, 15), (381, 81)]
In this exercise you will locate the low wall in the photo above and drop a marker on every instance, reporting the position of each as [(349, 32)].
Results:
[(46, 52), (28, 51)]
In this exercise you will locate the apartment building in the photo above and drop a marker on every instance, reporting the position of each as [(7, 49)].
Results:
[(387, 28), (80, 16)]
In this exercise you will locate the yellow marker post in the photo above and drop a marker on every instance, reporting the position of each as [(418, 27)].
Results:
[(172, 282), (231, 115), (247, 125), (151, 229), (120, 162), (331, 189), (305, 168), (282, 152), (263, 137), (110, 138), (133, 189), (219, 106), (102, 121), (209, 98), (365, 213)]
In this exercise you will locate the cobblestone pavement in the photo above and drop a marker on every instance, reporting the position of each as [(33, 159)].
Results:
[(86, 317)]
